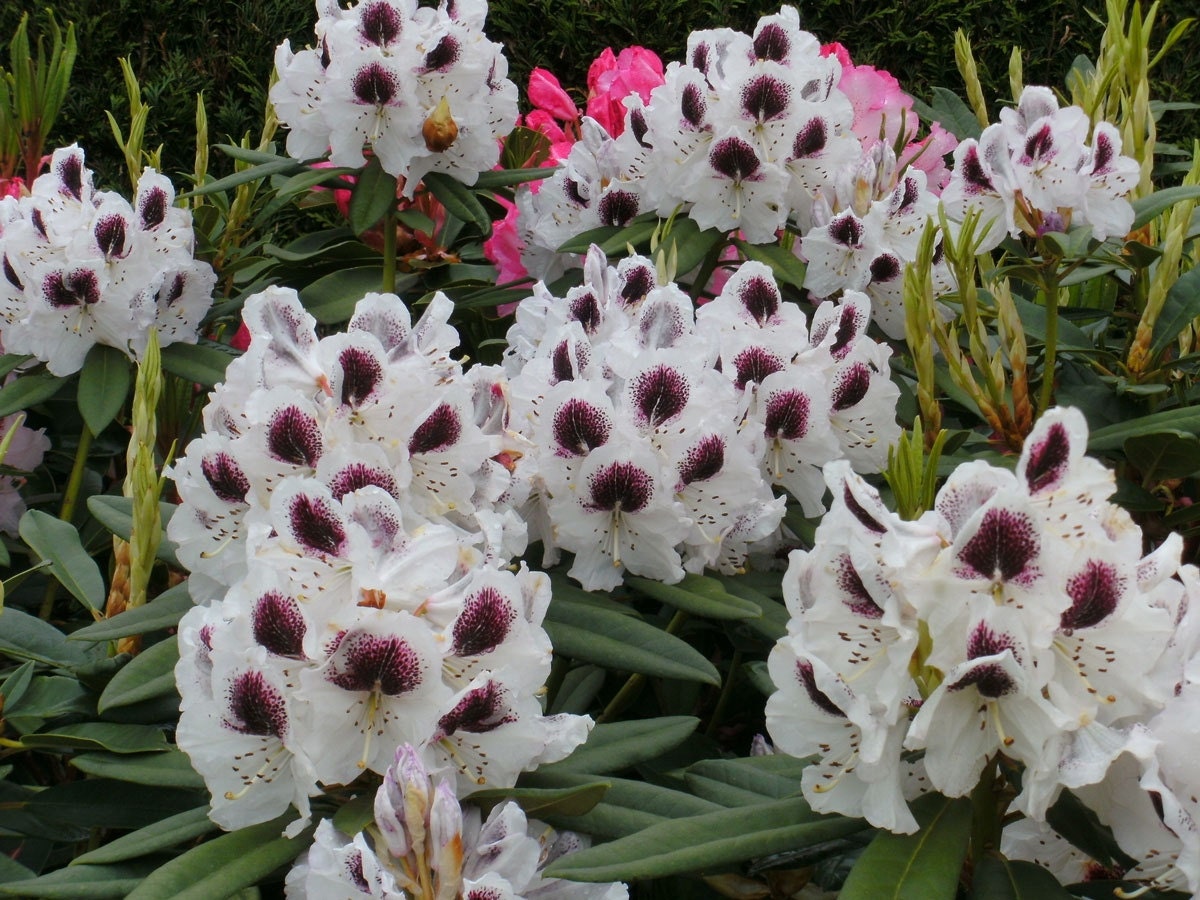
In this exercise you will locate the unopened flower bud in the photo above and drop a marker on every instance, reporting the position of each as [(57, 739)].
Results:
[(440, 130)]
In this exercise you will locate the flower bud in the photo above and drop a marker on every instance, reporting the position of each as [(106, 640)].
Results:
[(440, 130)]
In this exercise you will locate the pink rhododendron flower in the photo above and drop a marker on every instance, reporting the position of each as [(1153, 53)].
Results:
[(613, 77), (545, 93), (929, 155), (503, 249)]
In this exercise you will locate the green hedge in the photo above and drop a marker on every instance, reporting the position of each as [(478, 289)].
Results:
[(226, 47)]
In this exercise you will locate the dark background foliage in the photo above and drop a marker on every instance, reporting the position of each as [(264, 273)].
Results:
[(226, 48)]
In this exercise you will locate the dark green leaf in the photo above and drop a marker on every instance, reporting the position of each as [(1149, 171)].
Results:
[(786, 266), (612, 239), (921, 866), (80, 883), (23, 636), (15, 685), (773, 618), (58, 543), (614, 746), (103, 386), (225, 865), (27, 391), (1149, 207), (148, 675), (164, 611), (691, 244), (46, 698), (276, 166), (1181, 308), (357, 814), (1033, 318), (104, 803), (11, 361), (741, 782), (1079, 824), (1159, 457), (170, 769), (698, 595), (162, 835), (100, 736), (1184, 422), (624, 643), (541, 802), (509, 177), (459, 201), (948, 109), (204, 362), (704, 843), (373, 195), (628, 806), (332, 299), (997, 878), (116, 514), (579, 688), (11, 870)]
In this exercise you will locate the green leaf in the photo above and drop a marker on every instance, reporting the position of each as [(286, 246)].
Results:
[(103, 386), (784, 263), (164, 611), (148, 675), (332, 299), (27, 391), (948, 109), (1147, 208), (355, 815), (11, 870), (1159, 457), (508, 177), (162, 835), (1182, 306), (47, 697), (15, 686), (740, 782), (204, 362), (704, 843), (579, 688), (698, 595), (277, 165), (459, 201), (614, 746), (997, 878), (628, 806), (11, 361), (613, 239), (105, 803), (1184, 422), (624, 643), (691, 244), (170, 769), (1033, 319), (23, 636), (373, 195), (116, 514), (80, 883), (773, 617), (100, 736), (921, 866), (225, 865), (542, 802), (58, 543)]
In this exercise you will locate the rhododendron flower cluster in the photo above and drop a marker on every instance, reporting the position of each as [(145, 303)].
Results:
[(422, 843), (750, 135), (344, 513), (83, 267), (657, 431), (1036, 171), (1018, 618), (423, 88)]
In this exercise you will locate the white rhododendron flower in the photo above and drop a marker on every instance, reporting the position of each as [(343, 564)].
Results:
[(82, 267)]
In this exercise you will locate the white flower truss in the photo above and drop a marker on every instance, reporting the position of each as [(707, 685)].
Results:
[(80, 267), (343, 513), (1018, 618), (422, 89)]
